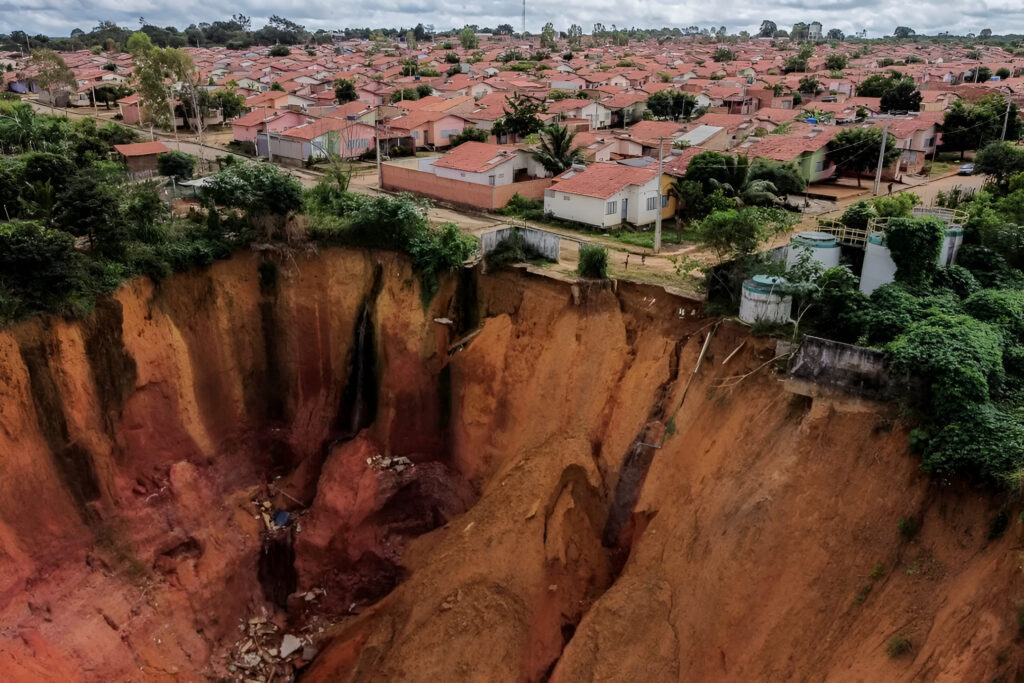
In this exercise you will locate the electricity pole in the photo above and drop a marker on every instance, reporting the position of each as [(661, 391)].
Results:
[(1006, 119), (657, 221), (881, 156), (270, 155)]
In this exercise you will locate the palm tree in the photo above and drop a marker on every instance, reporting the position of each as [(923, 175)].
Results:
[(556, 152)]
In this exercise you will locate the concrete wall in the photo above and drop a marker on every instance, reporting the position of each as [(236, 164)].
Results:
[(485, 197), (546, 243), (851, 368)]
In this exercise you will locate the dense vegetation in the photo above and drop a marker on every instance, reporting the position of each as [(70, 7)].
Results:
[(75, 226), (957, 329), (340, 217)]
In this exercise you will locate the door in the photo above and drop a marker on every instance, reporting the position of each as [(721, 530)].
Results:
[(625, 203)]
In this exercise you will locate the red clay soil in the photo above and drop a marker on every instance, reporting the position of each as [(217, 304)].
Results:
[(535, 537)]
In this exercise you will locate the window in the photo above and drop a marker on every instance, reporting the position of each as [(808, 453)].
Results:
[(664, 200), (490, 180), (447, 133), (652, 203), (356, 144), (415, 135), (819, 166), (610, 208)]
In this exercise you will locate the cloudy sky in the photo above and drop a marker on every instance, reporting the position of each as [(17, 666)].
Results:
[(878, 17)]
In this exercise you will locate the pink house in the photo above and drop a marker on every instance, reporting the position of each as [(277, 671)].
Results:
[(129, 108), (429, 128), (245, 128)]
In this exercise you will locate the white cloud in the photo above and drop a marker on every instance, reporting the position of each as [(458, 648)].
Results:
[(878, 17)]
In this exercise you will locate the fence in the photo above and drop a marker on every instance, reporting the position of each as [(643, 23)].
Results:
[(854, 369), (485, 197), (547, 244)]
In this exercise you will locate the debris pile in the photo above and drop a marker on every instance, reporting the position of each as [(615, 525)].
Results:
[(399, 463), (265, 653)]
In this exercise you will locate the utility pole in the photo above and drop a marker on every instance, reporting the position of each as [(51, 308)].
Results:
[(270, 155), (1006, 119), (657, 221), (881, 156), (376, 143), (174, 124), (524, 19)]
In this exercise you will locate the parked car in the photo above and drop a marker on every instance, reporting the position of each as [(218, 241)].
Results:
[(966, 169)]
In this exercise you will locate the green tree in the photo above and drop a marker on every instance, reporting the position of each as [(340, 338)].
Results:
[(1000, 160), (556, 152), (855, 150), (768, 29), (39, 267), (737, 233), (52, 72), (915, 245), (1003, 73), (520, 117), (90, 206), (280, 51), (903, 32), (836, 61), (593, 261), (468, 39), (901, 95), (230, 103), (672, 104), (262, 191), (469, 134), (178, 165), (724, 54), (809, 85), (548, 36), (575, 36), (345, 90), (974, 125)]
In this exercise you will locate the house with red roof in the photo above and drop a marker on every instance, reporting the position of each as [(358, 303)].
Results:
[(804, 145), (140, 157), (317, 139), (605, 195), (477, 174)]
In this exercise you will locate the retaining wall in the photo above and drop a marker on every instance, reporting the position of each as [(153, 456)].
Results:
[(545, 243)]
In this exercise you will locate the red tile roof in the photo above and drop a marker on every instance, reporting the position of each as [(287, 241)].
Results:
[(603, 180), (476, 157), (141, 149)]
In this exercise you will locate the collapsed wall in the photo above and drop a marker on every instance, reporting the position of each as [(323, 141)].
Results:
[(507, 484)]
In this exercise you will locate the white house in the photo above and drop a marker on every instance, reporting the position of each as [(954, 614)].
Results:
[(484, 164), (605, 195)]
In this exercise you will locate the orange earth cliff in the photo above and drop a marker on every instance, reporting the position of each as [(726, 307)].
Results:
[(524, 479)]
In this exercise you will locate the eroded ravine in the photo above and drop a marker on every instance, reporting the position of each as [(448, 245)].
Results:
[(530, 504)]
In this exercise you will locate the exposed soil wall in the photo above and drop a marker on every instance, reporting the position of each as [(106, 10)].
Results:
[(530, 504)]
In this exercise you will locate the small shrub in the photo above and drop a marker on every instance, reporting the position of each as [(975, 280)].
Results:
[(862, 595), (878, 571), (908, 527), (997, 525), (593, 261), (898, 645)]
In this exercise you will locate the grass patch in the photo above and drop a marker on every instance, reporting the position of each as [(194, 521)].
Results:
[(908, 527), (898, 645)]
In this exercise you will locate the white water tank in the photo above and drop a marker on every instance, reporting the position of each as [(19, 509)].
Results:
[(879, 268), (761, 301), (823, 247), (951, 245)]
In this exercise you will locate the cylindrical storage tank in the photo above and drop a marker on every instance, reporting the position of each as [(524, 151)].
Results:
[(951, 245), (761, 301), (823, 247), (879, 268)]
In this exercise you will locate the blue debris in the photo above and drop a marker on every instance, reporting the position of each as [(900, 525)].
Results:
[(281, 517)]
